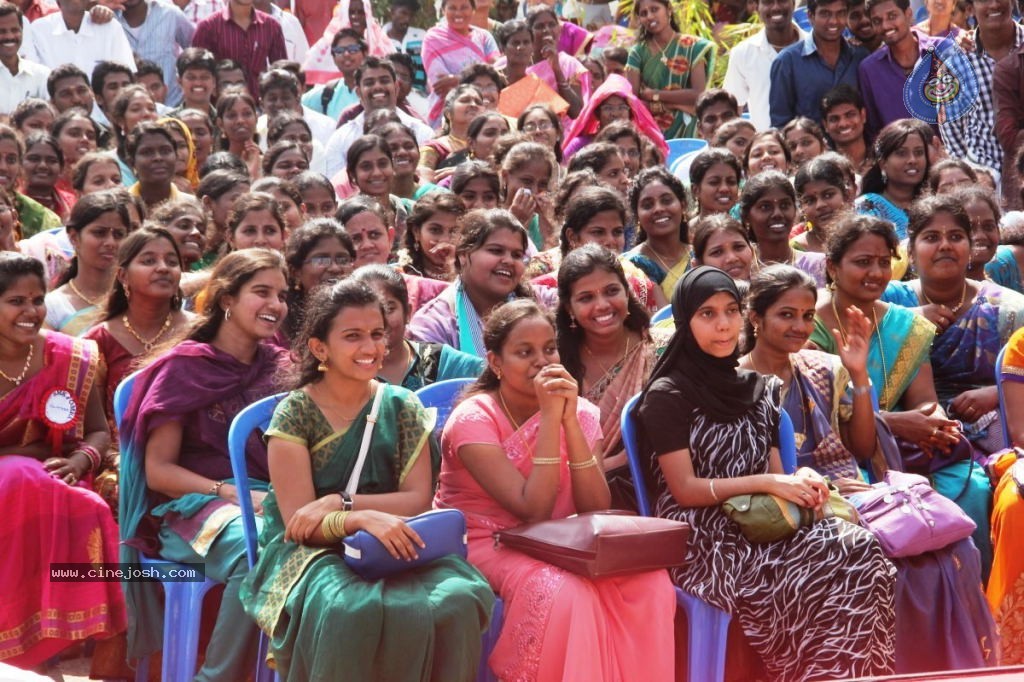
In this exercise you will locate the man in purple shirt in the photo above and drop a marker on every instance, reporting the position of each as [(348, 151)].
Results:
[(240, 32), (883, 74)]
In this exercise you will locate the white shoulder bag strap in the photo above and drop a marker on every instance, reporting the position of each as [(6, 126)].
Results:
[(371, 422)]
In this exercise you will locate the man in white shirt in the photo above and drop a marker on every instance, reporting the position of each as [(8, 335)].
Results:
[(72, 37), (19, 77), (748, 76), (295, 43), (377, 88)]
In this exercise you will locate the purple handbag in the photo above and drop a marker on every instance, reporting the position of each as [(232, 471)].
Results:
[(909, 517)]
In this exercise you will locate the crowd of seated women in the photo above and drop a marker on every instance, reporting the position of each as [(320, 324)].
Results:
[(525, 254)]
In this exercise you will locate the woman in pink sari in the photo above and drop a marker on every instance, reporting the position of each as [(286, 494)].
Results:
[(613, 101), (521, 448), (51, 516), (451, 45)]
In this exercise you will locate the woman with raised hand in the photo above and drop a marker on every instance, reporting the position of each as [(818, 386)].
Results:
[(828, 398), (860, 252), (51, 516), (423, 624), (177, 498), (522, 447), (490, 260), (711, 431), (431, 237)]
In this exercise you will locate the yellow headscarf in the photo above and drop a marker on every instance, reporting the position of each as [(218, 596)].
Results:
[(192, 169)]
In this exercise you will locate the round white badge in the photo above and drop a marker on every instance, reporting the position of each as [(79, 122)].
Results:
[(60, 408)]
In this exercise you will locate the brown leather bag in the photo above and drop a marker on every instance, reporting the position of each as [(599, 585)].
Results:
[(601, 544)]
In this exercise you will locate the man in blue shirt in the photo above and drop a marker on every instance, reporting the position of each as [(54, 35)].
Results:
[(806, 70)]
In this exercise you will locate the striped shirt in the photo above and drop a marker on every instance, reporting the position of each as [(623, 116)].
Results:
[(254, 48), (973, 136), (160, 38)]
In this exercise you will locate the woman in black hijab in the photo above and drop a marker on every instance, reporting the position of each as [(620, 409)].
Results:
[(818, 605)]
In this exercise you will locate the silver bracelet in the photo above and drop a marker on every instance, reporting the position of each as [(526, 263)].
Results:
[(861, 390), (711, 485)]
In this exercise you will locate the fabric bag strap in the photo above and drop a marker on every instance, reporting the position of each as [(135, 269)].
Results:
[(371, 421)]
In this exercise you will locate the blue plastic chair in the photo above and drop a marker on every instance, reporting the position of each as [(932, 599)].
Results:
[(921, 14), (681, 167), (441, 396), (680, 146), (664, 313), (801, 18), (255, 416), (708, 626), (1007, 442), (183, 601)]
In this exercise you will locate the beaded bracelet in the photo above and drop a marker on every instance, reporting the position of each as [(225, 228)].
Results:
[(546, 460), (576, 466)]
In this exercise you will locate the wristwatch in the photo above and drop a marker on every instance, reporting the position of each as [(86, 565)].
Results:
[(346, 501)]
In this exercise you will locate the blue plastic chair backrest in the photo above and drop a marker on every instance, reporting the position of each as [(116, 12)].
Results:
[(681, 166), (662, 314), (787, 443), (255, 416), (441, 395), (1002, 398), (681, 146), (921, 14), (801, 18), (122, 394), (629, 441)]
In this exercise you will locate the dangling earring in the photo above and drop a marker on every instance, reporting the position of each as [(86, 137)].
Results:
[(227, 314), (572, 323), (127, 293), (322, 367), (497, 373), (885, 178), (755, 331)]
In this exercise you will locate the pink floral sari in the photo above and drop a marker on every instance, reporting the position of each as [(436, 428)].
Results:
[(558, 626), (447, 52), (46, 521)]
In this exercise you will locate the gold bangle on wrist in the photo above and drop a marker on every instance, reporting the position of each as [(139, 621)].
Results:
[(576, 466), (546, 460), (215, 488), (333, 526)]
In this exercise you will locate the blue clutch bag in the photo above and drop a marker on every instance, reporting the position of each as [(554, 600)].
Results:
[(443, 531)]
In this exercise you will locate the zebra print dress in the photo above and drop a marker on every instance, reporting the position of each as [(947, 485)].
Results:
[(816, 606)]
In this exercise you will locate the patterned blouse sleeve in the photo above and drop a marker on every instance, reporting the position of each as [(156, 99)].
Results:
[(471, 423), (287, 422)]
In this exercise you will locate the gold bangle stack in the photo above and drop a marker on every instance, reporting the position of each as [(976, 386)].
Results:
[(333, 526), (546, 460), (576, 466)]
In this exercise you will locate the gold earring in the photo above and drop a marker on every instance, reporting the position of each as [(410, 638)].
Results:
[(497, 373), (227, 314), (127, 293), (755, 331), (322, 367)]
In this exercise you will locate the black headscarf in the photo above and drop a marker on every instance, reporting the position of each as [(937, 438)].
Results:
[(715, 385)]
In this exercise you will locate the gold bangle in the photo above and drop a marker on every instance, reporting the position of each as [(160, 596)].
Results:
[(215, 489), (333, 526), (546, 460), (576, 466)]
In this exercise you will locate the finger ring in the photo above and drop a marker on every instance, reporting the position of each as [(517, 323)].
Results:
[(935, 432)]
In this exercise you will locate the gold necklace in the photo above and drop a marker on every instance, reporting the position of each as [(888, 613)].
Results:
[(78, 292), (956, 308), (24, 370), (147, 345), (605, 371), (508, 412), (665, 265)]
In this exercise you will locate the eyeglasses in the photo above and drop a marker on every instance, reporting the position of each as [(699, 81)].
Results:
[(339, 50), (325, 261), (541, 127), (630, 153)]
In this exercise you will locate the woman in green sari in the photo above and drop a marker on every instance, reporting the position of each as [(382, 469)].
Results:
[(859, 254), (423, 624), (668, 70)]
